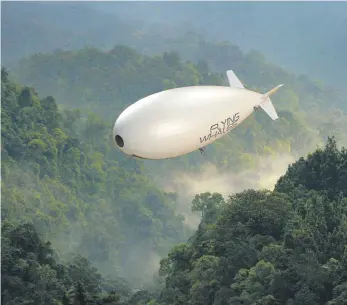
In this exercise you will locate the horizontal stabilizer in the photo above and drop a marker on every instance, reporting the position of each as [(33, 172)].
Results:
[(233, 80), (267, 105), (269, 109)]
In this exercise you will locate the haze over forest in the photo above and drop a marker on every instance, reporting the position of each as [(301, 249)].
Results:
[(187, 230), (303, 37)]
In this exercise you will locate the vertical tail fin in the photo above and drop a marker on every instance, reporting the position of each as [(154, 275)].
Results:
[(267, 105), (234, 80)]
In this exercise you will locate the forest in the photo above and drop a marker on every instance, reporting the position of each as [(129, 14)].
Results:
[(259, 220), (309, 37), (286, 246), (67, 185), (103, 82)]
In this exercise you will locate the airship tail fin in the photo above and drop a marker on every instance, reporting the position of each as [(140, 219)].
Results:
[(233, 80), (267, 105)]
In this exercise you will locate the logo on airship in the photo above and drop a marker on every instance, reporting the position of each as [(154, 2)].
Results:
[(221, 127)]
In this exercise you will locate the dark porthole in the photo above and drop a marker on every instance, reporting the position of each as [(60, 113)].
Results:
[(119, 141)]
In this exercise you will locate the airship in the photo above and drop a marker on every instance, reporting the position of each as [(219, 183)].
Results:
[(178, 121)]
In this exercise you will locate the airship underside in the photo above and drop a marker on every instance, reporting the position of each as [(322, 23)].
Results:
[(178, 121)]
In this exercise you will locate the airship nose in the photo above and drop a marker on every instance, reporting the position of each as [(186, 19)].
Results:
[(119, 140)]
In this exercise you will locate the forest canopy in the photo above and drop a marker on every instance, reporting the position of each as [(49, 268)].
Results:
[(106, 82), (84, 224), (288, 246), (79, 191)]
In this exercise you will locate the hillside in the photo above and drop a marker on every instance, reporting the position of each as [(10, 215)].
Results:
[(304, 37), (291, 251), (60, 173), (32, 273), (105, 82), (118, 203), (283, 247), (84, 224), (309, 36), (288, 246), (31, 27)]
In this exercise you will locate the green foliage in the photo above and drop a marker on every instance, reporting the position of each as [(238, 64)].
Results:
[(106, 82), (79, 191), (297, 49), (31, 274), (282, 247), (62, 177), (325, 171)]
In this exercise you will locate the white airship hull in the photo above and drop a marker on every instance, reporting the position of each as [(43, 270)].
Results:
[(178, 121)]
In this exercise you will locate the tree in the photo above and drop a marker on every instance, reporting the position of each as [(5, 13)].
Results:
[(206, 202)]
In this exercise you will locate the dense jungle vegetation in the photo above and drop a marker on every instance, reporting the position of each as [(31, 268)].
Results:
[(84, 224), (78, 190), (105, 82), (288, 246)]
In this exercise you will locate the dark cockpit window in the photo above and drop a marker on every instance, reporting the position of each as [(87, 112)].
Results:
[(119, 141)]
